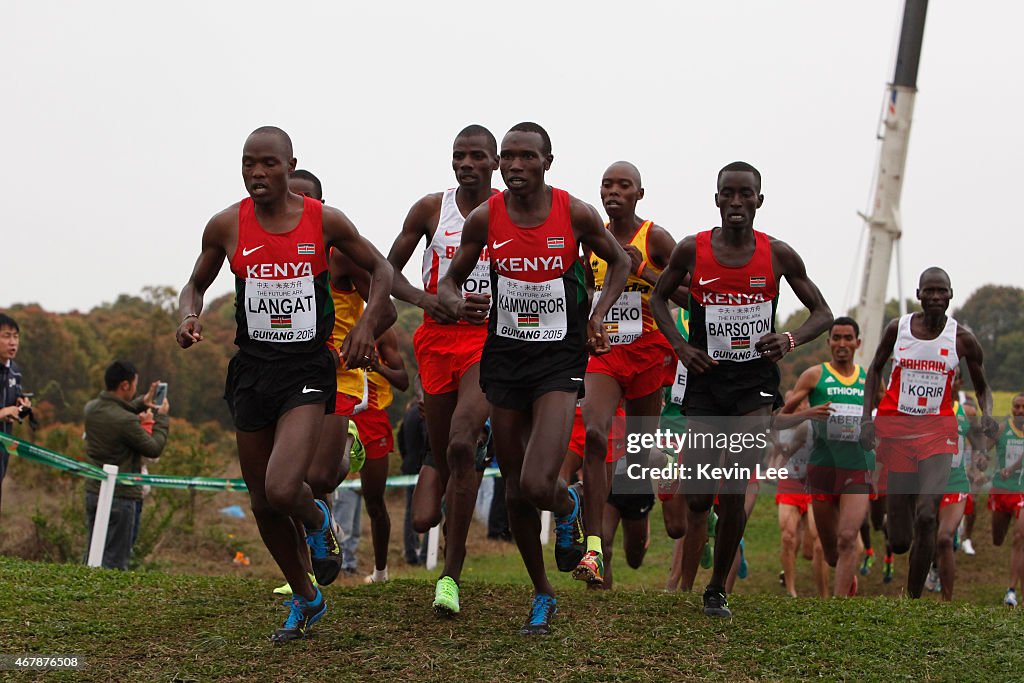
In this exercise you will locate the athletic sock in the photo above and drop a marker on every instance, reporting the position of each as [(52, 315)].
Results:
[(888, 558), (594, 543), (380, 575), (870, 552)]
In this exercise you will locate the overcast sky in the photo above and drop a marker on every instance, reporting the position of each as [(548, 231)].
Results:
[(125, 121)]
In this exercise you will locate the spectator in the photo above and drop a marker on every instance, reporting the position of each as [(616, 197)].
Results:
[(114, 435), (412, 444), (11, 398)]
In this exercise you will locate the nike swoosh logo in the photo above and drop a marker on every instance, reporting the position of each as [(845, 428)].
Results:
[(950, 443), (449, 234), (702, 281), (766, 395), (904, 348), (576, 379), (499, 245), (307, 390), (246, 252)]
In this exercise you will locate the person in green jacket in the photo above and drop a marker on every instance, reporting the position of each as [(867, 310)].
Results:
[(114, 435)]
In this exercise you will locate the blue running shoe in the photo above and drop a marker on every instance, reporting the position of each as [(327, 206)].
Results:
[(543, 610), (744, 568), (324, 549), (570, 540), (301, 617)]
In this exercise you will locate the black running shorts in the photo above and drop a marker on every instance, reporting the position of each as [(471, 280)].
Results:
[(521, 398), (259, 391), (733, 389)]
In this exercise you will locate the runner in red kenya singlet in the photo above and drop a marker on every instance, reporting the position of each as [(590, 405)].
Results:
[(282, 379), (916, 428), (733, 348), (538, 334)]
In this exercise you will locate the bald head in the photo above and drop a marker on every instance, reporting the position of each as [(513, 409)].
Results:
[(620, 168), (282, 138), (934, 274)]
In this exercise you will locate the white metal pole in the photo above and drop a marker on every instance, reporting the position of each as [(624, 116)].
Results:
[(102, 521), (433, 542), (545, 527)]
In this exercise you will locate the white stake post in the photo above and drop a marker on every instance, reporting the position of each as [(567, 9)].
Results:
[(433, 542), (102, 522), (545, 527)]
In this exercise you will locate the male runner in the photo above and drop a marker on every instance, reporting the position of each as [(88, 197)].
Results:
[(538, 334), (839, 471), (916, 428), (448, 353), (1007, 496), (378, 439), (733, 348), (635, 370), (282, 379), (792, 451)]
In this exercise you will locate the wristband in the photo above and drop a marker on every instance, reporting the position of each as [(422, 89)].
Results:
[(792, 342), (190, 315), (643, 264)]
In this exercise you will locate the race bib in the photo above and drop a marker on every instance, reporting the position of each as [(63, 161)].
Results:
[(479, 281), (624, 322), (281, 310), (732, 331), (921, 392), (531, 311), (679, 385), (958, 457), (844, 422)]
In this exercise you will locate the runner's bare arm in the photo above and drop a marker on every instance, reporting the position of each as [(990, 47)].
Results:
[(873, 383), (419, 222), (358, 348), (590, 231), (804, 386), (659, 249), (219, 239), (389, 362), (974, 356), (343, 267), (679, 268), (789, 265), (474, 307)]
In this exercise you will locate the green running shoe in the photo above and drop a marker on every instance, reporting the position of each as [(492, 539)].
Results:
[(887, 571), (712, 523), (706, 556), (286, 589), (446, 597), (357, 454), (865, 567)]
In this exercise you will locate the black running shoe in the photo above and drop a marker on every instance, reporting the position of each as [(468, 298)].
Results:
[(543, 610), (715, 603), (324, 549), (570, 539), (301, 618)]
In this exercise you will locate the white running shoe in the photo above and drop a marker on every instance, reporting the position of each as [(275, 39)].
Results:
[(932, 583), (968, 547), (1011, 598)]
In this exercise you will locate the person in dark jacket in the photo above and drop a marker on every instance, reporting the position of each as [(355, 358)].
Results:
[(114, 435), (12, 400)]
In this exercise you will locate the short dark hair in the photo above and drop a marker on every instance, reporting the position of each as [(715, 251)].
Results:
[(846, 320), (274, 130), (119, 371), (531, 127), (303, 174), (742, 167), (8, 321), (475, 129)]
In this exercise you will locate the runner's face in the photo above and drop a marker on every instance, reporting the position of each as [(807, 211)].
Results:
[(9, 340), (305, 187), (738, 198), (265, 167), (523, 162), (843, 342), (934, 293), (473, 161), (620, 191), (1018, 411)]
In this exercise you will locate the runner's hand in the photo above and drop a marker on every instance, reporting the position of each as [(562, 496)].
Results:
[(597, 337), (432, 307), (189, 332), (474, 308), (635, 258), (694, 359), (773, 346), (820, 412), (989, 427), (358, 351), (867, 436)]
